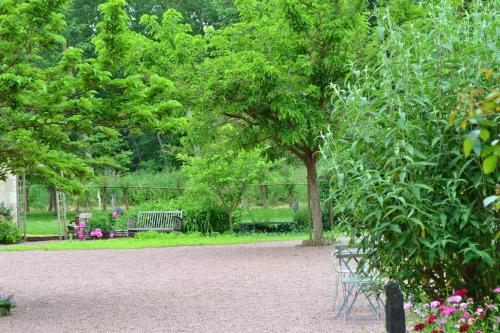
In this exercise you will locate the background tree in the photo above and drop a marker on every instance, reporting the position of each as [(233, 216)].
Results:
[(225, 170), (270, 73)]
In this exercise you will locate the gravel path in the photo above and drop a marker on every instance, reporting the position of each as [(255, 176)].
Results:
[(267, 287)]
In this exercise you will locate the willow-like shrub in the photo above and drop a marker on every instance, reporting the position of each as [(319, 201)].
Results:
[(403, 186)]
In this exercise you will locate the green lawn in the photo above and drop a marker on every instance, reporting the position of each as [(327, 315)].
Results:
[(153, 240), (268, 215), (42, 223)]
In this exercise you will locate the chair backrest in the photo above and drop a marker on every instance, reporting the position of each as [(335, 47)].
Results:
[(160, 219), (85, 216)]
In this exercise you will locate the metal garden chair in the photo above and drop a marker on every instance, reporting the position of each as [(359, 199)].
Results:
[(356, 283)]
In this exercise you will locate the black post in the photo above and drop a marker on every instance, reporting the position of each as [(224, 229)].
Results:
[(394, 311)]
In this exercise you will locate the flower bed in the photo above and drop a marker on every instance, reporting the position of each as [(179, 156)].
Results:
[(457, 313)]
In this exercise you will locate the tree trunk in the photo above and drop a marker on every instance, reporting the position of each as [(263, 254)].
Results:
[(230, 221), (52, 200), (315, 204)]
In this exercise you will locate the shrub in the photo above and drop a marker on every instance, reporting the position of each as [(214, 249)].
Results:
[(404, 184), (106, 223), (6, 303), (9, 233), (5, 212)]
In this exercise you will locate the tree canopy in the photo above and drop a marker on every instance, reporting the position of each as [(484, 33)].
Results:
[(270, 73)]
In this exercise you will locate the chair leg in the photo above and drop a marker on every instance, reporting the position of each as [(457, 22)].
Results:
[(344, 300), (336, 293), (348, 310)]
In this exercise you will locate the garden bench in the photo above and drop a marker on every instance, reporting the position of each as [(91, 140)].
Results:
[(161, 221), (252, 226)]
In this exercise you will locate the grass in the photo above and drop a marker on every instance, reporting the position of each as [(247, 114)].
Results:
[(268, 215), (41, 223), (155, 240)]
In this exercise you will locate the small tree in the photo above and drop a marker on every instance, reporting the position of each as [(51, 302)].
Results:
[(227, 172)]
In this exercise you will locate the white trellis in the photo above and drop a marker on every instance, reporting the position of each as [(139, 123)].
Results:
[(21, 204), (61, 213)]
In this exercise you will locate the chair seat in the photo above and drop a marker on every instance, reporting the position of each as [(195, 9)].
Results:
[(357, 280), (344, 271)]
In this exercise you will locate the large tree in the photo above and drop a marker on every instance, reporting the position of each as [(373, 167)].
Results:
[(42, 104), (61, 116), (271, 73)]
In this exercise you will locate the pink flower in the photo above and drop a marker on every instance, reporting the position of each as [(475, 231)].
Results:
[(466, 314), (407, 306), (479, 331), (111, 235), (448, 310), (480, 312), (115, 215), (455, 299), (82, 224), (435, 304), (81, 236), (442, 321), (497, 290), (426, 306), (490, 306)]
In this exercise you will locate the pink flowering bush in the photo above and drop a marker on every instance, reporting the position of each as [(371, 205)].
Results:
[(80, 230), (97, 233), (458, 313)]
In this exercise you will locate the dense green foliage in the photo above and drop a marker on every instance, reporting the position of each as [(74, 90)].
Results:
[(9, 233), (404, 186)]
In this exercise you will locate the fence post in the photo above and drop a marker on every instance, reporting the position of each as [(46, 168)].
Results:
[(125, 197), (394, 311)]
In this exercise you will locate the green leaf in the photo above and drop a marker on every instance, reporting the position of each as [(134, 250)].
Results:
[(396, 228), (484, 134), (468, 144), (490, 164)]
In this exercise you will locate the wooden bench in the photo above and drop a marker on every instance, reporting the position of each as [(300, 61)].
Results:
[(253, 226), (161, 221)]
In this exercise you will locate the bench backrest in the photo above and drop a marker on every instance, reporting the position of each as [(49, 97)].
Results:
[(85, 216), (160, 219)]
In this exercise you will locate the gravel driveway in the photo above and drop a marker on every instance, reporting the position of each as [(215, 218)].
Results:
[(266, 287)]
